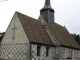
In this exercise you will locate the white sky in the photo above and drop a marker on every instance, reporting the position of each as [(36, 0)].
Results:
[(67, 12)]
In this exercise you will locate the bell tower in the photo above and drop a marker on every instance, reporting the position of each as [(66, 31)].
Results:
[(48, 12)]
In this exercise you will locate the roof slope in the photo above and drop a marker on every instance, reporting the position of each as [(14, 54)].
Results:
[(36, 33), (62, 35), (34, 30)]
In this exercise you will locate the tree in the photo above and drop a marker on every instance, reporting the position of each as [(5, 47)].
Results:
[(1, 36), (76, 37)]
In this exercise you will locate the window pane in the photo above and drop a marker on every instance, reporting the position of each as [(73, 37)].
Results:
[(38, 50), (47, 51)]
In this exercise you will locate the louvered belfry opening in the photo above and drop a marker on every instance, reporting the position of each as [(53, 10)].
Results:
[(47, 12)]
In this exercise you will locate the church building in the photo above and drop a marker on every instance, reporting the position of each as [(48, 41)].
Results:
[(27, 38)]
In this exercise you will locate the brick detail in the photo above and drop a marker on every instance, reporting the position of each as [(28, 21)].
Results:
[(43, 53), (14, 51)]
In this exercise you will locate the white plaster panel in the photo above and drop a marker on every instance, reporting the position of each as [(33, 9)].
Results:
[(20, 36)]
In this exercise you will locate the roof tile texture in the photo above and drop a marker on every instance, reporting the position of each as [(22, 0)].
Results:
[(34, 30)]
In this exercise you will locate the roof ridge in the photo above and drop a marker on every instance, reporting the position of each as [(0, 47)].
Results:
[(25, 15), (60, 25)]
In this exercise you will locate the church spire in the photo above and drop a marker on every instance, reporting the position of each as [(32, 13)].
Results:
[(47, 12), (47, 5)]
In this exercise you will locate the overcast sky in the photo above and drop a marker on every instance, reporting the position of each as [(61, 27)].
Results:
[(67, 12)]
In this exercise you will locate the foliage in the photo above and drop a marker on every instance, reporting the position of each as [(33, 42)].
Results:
[(76, 37), (1, 35)]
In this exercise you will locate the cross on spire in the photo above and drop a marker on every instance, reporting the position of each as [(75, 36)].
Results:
[(47, 5), (14, 32)]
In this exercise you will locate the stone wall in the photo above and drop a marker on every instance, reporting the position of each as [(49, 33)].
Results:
[(22, 52), (15, 44), (55, 53), (15, 36), (15, 51), (42, 53)]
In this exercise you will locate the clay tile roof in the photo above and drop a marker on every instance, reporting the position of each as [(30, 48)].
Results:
[(63, 36), (34, 30)]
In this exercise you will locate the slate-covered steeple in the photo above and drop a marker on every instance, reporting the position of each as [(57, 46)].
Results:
[(48, 12)]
